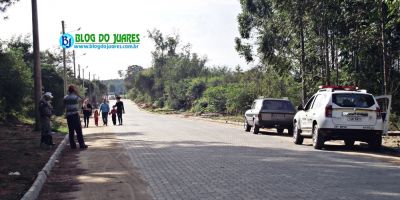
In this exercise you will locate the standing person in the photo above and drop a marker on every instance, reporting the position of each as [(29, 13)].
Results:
[(87, 112), (104, 109), (113, 114), (96, 117), (120, 109), (46, 111), (71, 102)]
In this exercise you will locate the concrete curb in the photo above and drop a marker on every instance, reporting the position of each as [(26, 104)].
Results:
[(37, 186)]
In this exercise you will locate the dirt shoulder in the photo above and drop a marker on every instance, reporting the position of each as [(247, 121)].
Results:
[(21, 152), (103, 171)]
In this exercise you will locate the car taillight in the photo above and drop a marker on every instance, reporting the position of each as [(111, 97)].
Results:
[(378, 113), (328, 111), (259, 116)]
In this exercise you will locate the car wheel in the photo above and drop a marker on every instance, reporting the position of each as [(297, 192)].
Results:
[(279, 130), (297, 138), (247, 127), (375, 142), (349, 143), (256, 129), (290, 130), (317, 138)]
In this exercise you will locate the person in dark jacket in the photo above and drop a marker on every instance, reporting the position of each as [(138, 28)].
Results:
[(87, 112), (120, 109), (46, 111), (71, 102)]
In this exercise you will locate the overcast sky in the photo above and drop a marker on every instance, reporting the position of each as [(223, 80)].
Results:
[(209, 25)]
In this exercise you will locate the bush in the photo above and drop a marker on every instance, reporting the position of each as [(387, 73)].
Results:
[(394, 123), (239, 99), (216, 99), (200, 105), (16, 81), (53, 82)]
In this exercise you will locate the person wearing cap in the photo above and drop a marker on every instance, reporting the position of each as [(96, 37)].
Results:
[(46, 110), (120, 109), (71, 102)]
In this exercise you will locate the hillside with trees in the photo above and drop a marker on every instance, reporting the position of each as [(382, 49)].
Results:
[(115, 86), (294, 46)]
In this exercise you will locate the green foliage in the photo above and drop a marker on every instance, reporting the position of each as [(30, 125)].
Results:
[(238, 98), (216, 99), (299, 45), (16, 81), (16, 78), (53, 82)]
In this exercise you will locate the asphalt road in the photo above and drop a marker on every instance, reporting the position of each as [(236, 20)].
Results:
[(185, 158)]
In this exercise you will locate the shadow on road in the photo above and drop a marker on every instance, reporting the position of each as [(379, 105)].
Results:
[(103, 171), (272, 133)]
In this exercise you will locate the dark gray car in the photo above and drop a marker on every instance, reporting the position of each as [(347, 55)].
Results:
[(270, 113)]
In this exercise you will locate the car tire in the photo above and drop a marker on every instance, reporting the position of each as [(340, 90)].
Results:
[(297, 138), (279, 130), (246, 125), (290, 131), (349, 143), (375, 142), (256, 129), (317, 138)]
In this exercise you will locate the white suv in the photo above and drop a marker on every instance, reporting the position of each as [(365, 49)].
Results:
[(339, 113)]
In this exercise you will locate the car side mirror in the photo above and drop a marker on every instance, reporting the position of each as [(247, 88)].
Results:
[(300, 107)]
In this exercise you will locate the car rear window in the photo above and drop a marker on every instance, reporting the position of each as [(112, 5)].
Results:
[(353, 100), (277, 105)]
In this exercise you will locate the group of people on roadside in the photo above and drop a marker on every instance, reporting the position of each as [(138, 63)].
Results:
[(116, 111), (71, 102)]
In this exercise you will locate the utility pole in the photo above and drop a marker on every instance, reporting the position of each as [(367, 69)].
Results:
[(89, 88), (36, 63), (64, 64), (83, 79), (79, 71), (73, 58)]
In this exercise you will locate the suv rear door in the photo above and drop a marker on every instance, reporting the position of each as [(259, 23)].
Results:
[(385, 103), (277, 110), (354, 109)]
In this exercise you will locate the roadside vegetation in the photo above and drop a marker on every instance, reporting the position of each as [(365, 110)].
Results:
[(16, 88), (292, 48)]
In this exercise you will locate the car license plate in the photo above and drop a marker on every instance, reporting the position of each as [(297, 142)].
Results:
[(278, 116), (354, 119)]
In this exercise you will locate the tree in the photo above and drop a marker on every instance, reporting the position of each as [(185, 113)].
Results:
[(5, 4), (16, 90), (112, 88)]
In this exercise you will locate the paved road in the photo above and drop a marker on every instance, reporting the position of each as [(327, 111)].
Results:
[(182, 158)]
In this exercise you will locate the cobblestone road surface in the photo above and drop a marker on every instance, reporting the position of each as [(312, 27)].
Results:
[(183, 158)]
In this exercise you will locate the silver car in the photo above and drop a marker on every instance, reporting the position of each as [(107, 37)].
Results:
[(270, 113)]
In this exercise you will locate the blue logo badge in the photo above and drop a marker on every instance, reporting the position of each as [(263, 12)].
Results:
[(66, 41)]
